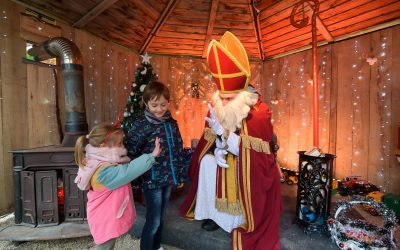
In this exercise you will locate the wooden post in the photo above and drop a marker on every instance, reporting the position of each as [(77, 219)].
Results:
[(301, 24)]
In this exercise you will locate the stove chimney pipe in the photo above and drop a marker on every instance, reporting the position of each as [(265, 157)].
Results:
[(72, 72)]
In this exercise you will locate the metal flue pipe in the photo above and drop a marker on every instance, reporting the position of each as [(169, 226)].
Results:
[(72, 72)]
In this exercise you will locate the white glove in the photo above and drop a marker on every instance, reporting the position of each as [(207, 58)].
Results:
[(220, 143), (219, 155), (233, 143), (213, 122)]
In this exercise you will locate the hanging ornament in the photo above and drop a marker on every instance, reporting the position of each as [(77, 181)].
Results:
[(132, 93), (146, 58), (144, 71), (142, 87), (126, 114), (371, 61), (134, 85)]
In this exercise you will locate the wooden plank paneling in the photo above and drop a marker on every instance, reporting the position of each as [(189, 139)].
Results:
[(187, 21), (299, 110), (333, 114), (381, 108), (282, 113), (357, 105), (325, 83), (42, 126), (105, 73), (344, 142), (69, 11), (165, 40), (123, 22), (394, 49), (36, 31), (184, 29), (359, 94), (175, 52), (176, 46), (375, 156), (355, 15), (93, 13), (13, 105), (367, 23), (124, 81)]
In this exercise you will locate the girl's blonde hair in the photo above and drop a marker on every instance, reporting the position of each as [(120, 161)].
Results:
[(103, 134)]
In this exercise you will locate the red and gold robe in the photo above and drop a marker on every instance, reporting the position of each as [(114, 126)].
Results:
[(259, 182)]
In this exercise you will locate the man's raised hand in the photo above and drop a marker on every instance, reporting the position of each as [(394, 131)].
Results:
[(213, 122)]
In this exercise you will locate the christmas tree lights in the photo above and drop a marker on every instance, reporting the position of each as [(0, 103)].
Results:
[(134, 108)]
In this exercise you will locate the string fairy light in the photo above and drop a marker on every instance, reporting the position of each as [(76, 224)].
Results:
[(91, 77), (384, 106), (284, 98), (4, 35), (355, 111), (323, 99)]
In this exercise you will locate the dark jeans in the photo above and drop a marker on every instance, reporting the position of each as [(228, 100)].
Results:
[(156, 203)]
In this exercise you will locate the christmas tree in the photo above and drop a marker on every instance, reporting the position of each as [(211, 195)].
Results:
[(134, 108)]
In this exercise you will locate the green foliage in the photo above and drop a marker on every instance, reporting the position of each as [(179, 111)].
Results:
[(134, 108)]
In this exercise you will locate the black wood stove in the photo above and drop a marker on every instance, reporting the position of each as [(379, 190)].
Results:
[(44, 189)]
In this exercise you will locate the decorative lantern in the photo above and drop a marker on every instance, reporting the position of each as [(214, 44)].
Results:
[(313, 192)]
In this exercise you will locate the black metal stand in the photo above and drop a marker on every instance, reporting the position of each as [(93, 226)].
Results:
[(313, 192)]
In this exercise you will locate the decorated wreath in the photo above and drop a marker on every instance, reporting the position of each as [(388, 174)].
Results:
[(359, 234)]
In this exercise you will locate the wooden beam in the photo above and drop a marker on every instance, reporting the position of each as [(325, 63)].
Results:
[(256, 26), (161, 20), (320, 25), (102, 6), (210, 27)]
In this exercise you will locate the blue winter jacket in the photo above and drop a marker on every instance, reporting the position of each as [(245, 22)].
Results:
[(168, 168)]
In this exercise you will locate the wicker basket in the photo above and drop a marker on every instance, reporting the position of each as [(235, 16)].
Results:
[(359, 234)]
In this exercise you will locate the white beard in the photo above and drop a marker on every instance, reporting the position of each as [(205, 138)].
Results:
[(231, 115)]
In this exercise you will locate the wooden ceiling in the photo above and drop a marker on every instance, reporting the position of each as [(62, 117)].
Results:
[(185, 27)]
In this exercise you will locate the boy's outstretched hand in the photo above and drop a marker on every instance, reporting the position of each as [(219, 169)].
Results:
[(157, 148)]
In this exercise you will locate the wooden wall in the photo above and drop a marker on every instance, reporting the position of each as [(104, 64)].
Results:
[(359, 106), (13, 98), (362, 135)]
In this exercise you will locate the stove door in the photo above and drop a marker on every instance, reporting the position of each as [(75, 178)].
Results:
[(46, 198), (74, 206), (28, 198)]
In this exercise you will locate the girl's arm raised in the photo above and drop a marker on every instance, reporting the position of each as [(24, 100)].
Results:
[(114, 177)]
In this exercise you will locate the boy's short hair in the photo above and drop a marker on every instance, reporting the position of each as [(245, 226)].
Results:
[(155, 90)]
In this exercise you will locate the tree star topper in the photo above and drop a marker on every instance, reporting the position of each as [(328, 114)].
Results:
[(146, 58)]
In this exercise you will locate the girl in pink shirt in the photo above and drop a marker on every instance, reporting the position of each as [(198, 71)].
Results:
[(106, 172)]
